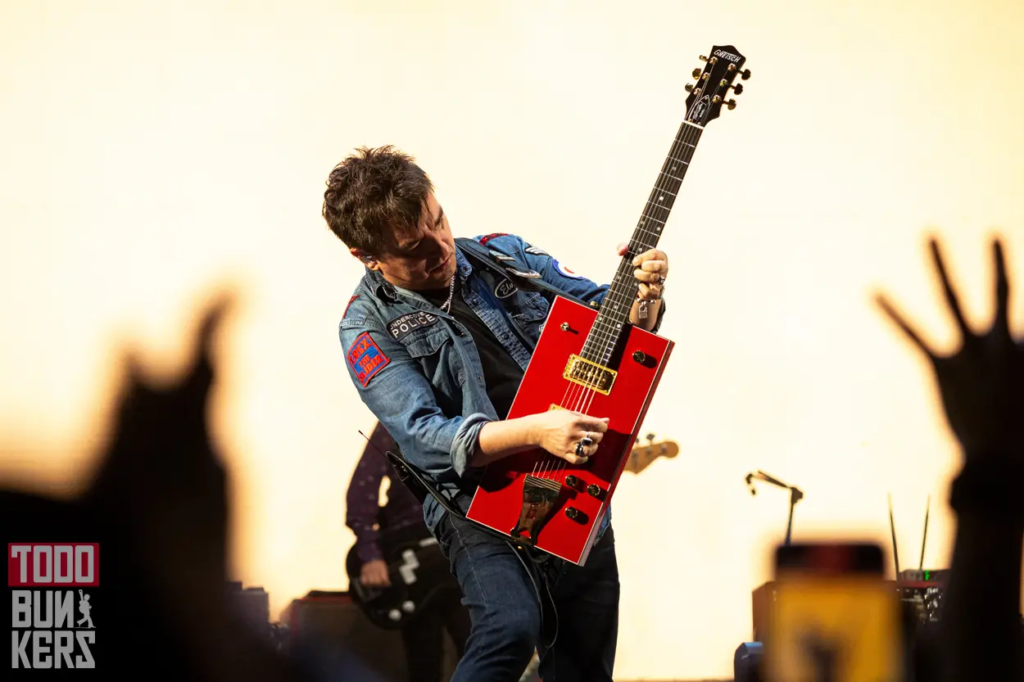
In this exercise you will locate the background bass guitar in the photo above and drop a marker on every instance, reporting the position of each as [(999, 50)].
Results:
[(418, 572)]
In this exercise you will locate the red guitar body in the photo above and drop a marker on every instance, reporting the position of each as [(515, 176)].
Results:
[(544, 501)]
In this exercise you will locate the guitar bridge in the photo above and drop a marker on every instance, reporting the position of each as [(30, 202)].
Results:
[(589, 375), (539, 498)]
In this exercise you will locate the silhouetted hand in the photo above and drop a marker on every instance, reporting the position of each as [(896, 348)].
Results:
[(982, 383)]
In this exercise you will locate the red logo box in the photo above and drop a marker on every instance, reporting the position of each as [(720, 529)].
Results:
[(53, 564)]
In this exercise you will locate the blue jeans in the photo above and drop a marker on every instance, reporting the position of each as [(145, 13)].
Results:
[(502, 598)]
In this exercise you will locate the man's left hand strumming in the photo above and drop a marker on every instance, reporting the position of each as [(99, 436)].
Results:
[(651, 271)]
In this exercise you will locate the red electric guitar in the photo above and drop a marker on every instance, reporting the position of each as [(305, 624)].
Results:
[(597, 363)]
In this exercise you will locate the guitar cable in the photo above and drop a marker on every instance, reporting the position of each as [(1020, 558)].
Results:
[(540, 564)]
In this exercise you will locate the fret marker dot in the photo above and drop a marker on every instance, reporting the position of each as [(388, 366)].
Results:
[(661, 197)]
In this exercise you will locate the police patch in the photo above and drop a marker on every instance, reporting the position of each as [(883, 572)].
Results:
[(536, 251), (566, 272), (505, 288), (400, 327), (366, 358)]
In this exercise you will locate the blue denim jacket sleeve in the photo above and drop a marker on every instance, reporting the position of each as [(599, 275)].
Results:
[(393, 386), (554, 272)]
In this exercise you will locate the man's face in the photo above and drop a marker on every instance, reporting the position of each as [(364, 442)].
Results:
[(422, 257)]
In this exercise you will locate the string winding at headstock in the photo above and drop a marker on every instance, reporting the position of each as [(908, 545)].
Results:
[(713, 84)]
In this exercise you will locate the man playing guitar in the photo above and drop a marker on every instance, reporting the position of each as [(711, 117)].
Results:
[(436, 345), (380, 529)]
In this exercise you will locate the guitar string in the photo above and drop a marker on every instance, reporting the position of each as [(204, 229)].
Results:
[(616, 297), (602, 338), (580, 398), (608, 344)]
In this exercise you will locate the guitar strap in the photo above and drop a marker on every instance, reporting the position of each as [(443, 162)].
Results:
[(419, 487), (541, 572), (510, 268)]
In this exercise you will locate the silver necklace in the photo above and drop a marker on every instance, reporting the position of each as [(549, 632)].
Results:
[(446, 306)]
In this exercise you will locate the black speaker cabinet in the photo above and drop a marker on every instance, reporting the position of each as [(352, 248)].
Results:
[(331, 622)]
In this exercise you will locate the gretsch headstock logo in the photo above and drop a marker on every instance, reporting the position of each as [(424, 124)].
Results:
[(727, 55), (699, 110)]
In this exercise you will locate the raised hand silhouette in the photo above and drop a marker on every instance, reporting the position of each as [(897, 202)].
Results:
[(982, 390), (982, 382)]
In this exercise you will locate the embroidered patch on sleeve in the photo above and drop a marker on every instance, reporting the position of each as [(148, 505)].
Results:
[(566, 272), (536, 251), (366, 358), (484, 240)]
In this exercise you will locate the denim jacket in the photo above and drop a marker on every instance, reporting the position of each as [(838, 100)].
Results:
[(418, 369)]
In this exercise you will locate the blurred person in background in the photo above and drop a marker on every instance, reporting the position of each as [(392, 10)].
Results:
[(380, 532)]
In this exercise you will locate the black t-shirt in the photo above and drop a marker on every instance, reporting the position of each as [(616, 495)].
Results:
[(502, 375)]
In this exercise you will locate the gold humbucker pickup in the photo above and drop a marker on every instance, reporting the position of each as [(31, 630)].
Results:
[(589, 374)]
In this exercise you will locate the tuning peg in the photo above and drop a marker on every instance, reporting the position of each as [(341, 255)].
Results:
[(745, 74), (703, 58), (696, 73), (731, 104), (688, 87), (738, 88)]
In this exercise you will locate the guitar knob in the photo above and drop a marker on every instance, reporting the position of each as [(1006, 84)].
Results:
[(572, 513), (594, 490), (571, 481), (408, 606), (395, 615)]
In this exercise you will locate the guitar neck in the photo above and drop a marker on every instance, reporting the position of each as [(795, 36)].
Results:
[(618, 302)]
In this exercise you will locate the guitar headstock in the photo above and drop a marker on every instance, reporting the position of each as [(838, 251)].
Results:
[(713, 84), (642, 456)]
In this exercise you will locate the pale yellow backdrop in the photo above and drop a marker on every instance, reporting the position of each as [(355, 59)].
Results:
[(154, 150)]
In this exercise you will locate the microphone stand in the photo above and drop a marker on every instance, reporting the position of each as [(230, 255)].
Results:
[(795, 495)]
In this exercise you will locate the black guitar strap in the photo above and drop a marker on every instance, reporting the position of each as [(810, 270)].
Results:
[(510, 268), (539, 567), (419, 487)]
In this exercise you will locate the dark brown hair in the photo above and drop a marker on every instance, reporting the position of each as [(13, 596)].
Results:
[(371, 194)]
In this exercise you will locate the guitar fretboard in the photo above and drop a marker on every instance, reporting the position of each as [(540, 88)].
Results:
[(614, 313)]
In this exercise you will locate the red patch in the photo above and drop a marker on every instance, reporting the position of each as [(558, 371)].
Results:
[(366, 358), (484, 240), (349, 305)]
